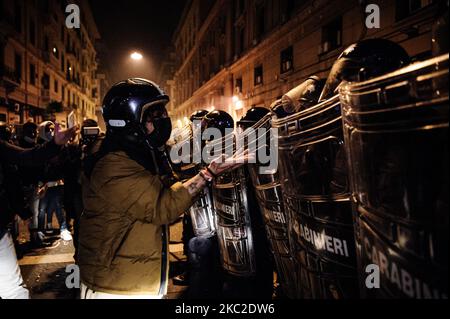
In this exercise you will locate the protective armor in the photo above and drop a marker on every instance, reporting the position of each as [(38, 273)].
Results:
[(270, 199), (313, 172), (240, 231), (396, 134), (202, 211), (364, 60)]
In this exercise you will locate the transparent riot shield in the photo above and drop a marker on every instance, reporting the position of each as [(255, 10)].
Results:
[(202, 211), (313, 173), (233, 221), (234, 225), (270, 199), (396, 133), (242, 239), (203, 215)]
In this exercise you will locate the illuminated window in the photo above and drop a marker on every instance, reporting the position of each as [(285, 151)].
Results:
[(287, 60)]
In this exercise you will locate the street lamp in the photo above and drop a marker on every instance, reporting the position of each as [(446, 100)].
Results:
[(136, 56)]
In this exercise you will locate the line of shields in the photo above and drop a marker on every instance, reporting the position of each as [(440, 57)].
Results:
[(357, 206)]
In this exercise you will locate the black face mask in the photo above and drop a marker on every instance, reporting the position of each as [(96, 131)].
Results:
[(161, 134)]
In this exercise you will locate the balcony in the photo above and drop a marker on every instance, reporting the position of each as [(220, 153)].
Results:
[(45, 96), (70, 52), (10, 77), (46, 57), (50, 21)]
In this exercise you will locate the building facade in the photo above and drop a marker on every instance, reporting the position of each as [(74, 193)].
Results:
[(46, 69), (165, 74), (235, 54)]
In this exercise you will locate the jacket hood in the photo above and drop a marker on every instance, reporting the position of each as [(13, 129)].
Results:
[(42, 133)]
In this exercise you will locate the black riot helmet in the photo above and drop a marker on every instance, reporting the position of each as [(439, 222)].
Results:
[(30, 132), (130, 105), (365, 60), (303, 96), (218, 119), (253, 116), (5, 132), (198, 115)]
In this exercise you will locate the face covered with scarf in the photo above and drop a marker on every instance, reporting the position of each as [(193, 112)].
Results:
[(158, 125)]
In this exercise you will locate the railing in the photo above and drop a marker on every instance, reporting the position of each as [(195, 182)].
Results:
[(10, 74)]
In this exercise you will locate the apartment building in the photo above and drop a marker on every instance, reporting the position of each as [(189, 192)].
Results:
[(235, 54), (46, 69)]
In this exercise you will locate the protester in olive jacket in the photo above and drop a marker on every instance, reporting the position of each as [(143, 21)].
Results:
[(123, 245)]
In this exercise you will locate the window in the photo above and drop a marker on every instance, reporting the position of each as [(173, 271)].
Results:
[(405, 8), (287, 60), (18, 17), (32, 32), (288, 8), (63, 67), (46, 81), (46, 44), (260, 21), (241, 40), (238, 86), (258, 75), (18, 66), (332, 35), (240, 7), (55, 52), (32, 74), (69, 71), (56, 86)]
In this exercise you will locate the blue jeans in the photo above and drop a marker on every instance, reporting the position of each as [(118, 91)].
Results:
[(52, 202)]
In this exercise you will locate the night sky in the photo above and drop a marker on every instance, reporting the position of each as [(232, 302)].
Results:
[(146, 26)]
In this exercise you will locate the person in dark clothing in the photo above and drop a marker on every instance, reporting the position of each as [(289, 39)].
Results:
[(30, 177), (53, 181), (14, 187), (11, 282), (76, 156)]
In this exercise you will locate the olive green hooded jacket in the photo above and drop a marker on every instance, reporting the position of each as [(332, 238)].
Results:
[(123, 245)]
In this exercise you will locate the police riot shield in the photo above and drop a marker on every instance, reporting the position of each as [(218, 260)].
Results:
[(314, 182), (203, 215), (202, 211), (396, 133), (233, 223), (270, 199), (240, 230)]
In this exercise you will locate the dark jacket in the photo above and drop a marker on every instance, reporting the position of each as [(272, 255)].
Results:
[(10, 154)]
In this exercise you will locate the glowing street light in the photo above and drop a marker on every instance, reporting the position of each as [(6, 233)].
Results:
[(136, 56)]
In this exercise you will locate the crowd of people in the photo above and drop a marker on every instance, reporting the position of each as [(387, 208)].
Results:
[(38, 192), (34, 188)]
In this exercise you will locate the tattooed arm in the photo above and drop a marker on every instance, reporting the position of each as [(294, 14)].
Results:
[(195, 185)]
